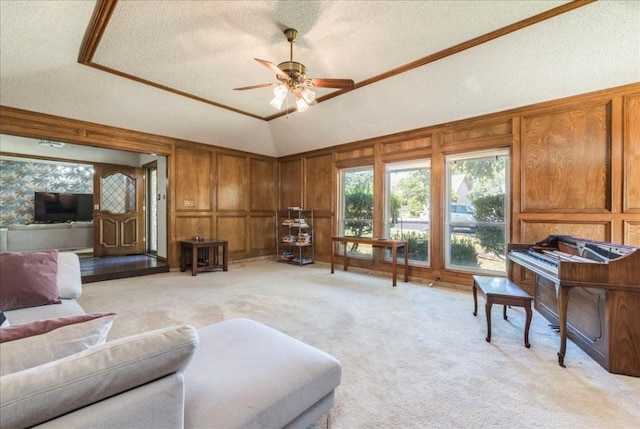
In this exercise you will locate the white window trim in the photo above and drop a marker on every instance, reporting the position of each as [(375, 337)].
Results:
[(341, 204), (506, 152), (399, 166)]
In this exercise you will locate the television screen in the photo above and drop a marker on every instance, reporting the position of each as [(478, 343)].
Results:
[(63, 207)]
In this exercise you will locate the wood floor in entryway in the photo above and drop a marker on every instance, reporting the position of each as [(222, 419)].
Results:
[(95, 269)]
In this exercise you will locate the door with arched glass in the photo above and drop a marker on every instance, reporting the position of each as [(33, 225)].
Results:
[(118, 210)]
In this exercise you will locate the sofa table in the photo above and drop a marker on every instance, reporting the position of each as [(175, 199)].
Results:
[(203, 255), (394, 245)]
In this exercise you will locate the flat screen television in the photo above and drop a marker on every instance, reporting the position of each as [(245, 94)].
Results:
[(63, 207)]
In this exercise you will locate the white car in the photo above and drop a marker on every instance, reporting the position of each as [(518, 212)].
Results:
[(462, 217)]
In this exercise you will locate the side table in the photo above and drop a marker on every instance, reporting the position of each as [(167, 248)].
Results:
[(203, 255)]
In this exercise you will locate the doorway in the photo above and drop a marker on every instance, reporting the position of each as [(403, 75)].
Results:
[(28, 150), (151, 205), (118, 216)]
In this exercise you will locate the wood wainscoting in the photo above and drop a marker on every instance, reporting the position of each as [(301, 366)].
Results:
[(575, 169)]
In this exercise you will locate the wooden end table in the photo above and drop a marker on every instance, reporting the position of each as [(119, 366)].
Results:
[(203, 255)]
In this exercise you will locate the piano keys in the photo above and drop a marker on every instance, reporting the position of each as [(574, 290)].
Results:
[(591, 290)]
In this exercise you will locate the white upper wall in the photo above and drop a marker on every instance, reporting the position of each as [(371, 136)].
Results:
[(593, 47)]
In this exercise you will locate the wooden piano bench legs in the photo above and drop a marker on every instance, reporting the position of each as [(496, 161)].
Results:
[(501, 291)]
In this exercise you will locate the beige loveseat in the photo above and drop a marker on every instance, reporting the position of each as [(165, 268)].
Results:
[(234, 374)]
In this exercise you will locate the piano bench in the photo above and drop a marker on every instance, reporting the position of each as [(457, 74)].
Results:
[(501, 291)]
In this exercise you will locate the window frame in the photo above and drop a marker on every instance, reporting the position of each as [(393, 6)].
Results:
[(467, 156), (342, 205), (398, 166)]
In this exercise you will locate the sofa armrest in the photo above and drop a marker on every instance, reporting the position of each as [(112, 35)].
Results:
[(42, 393)]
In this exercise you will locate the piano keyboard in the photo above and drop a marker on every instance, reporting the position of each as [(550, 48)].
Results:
[(536, 262)]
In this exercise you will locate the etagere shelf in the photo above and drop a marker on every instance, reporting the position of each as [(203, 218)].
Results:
[(294, 236)]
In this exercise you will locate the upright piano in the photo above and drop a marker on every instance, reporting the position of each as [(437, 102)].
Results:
[(591, 291)]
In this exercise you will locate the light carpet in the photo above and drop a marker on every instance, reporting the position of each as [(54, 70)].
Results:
[(413, 356)]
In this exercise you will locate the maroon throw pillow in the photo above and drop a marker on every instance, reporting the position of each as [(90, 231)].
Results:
[(38, 327), (28, 279)]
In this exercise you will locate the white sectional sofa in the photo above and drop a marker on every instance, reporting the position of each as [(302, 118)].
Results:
[(45, 236), (69, 282), (234, 374)]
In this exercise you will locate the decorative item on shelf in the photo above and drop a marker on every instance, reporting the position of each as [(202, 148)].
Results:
[(289, 239), (303, 239), (287, 254)]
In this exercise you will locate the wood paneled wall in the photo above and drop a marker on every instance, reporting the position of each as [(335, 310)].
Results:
[(575, 169), (225, 194)]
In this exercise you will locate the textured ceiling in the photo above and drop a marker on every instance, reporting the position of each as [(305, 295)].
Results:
[(169, 67)]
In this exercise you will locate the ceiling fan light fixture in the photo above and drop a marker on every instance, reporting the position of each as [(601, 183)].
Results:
[(308, 96), (280, 93), (301, 104), (292, 78)]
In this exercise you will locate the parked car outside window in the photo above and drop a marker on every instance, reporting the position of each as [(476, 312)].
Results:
[(462, 217)]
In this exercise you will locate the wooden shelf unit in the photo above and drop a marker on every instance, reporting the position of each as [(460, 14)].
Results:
[(294, 236)]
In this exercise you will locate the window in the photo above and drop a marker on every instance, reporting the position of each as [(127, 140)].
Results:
[(356, 207), (407, 197), (476, 209)]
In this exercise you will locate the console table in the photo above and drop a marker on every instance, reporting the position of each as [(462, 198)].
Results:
[(394, 245), (203, 255)]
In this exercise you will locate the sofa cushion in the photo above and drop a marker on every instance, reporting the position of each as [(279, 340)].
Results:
[(248, 375), (28, 279), (63, 340), (38, 226), (69, 278), (67, 307), (40, 327), (47, 391)]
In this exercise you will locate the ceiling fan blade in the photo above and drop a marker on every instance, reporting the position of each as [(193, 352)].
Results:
[(334, 83), (262, 85), (272, 67)]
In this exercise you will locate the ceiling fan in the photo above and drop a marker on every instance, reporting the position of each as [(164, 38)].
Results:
[(292, 78)]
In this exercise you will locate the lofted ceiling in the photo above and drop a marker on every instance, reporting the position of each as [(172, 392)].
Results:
[(169, 67)]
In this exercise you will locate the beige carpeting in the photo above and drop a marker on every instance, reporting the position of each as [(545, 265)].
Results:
[(412, 356)]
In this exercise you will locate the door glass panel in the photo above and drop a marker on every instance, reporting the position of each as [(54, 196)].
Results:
[(118, 194)]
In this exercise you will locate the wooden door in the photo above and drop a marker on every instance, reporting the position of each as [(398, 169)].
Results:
[(118, 210)]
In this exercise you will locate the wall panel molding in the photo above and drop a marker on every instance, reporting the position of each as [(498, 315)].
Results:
[(566, 160), (534, 231), (631, 154), (235, 230)]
